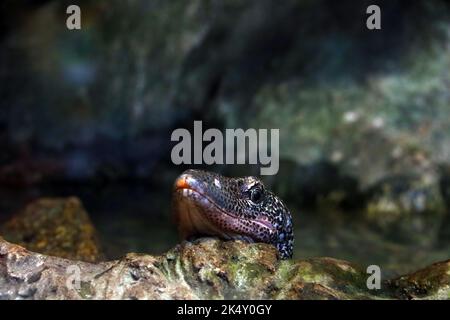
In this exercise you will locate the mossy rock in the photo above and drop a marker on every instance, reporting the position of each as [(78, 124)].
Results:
[(208, 269), (432, 282), (55, 226)]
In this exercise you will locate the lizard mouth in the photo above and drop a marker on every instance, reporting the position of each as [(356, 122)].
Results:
[(197, 214)]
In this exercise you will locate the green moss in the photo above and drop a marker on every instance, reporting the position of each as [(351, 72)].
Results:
[(286, 271), (308, 273), (85, 290), (246, 274)]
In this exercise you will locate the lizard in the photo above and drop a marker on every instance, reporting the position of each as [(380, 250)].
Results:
[(209, 204)]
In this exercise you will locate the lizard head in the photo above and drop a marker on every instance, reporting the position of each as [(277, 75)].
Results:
[(207, 203)]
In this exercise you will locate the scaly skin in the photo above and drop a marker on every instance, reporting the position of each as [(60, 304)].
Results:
[(206, 203)]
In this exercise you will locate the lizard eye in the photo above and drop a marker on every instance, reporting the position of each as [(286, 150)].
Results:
[(256, 195)]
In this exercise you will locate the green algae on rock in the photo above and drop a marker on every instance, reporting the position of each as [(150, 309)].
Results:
[(55, 226)]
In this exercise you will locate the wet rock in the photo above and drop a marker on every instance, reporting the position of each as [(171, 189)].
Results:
[(406, 208), (57, 227), (432, 282), (204, 269)]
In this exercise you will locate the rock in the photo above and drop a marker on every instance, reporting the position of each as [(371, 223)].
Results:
[(432, 282), (204, 269), (57, 227)]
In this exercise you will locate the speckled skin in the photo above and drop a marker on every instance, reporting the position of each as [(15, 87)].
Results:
[(206, 203)]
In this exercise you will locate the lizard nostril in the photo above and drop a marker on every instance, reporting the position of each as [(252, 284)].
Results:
[(181, 182)]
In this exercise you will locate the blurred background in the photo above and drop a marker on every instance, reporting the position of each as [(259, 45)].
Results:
[(364, 116)]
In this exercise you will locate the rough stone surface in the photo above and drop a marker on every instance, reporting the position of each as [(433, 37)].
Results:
[(432, 282), (55, 226), (207, 268)]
